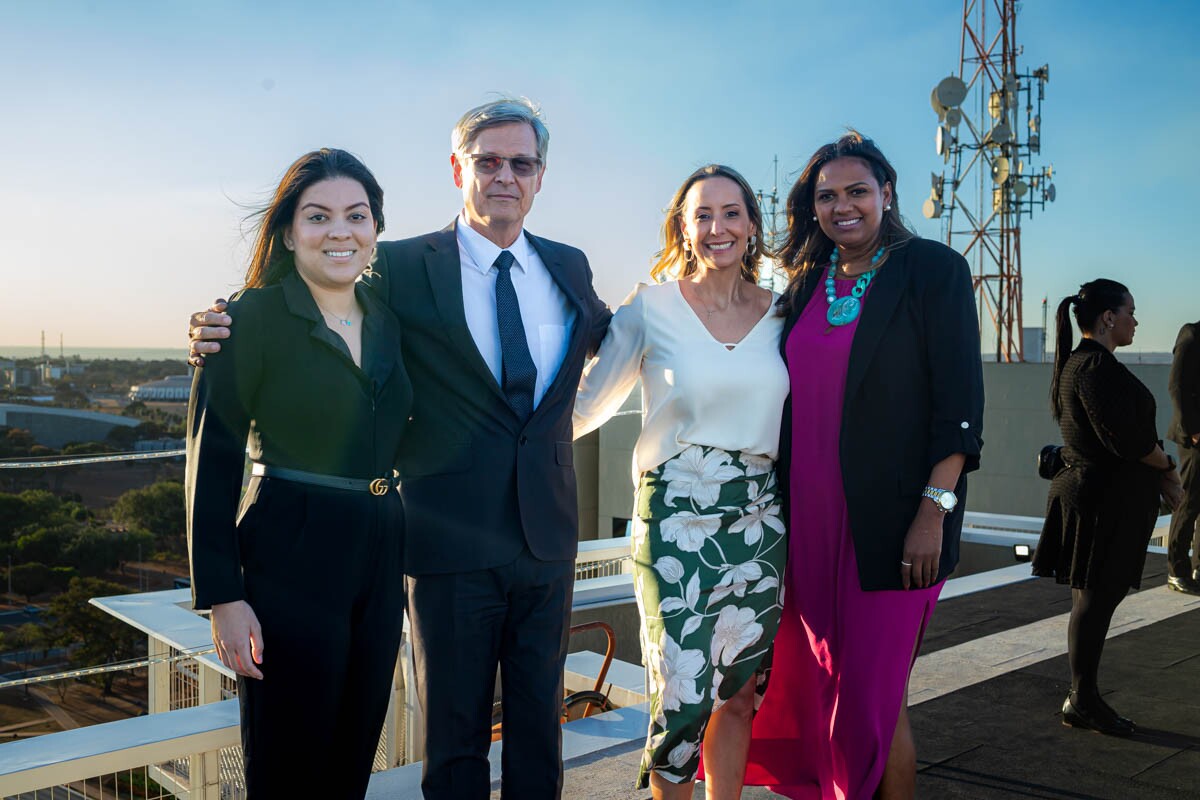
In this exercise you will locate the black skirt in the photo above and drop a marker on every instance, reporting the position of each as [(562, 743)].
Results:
[(1099, 520)]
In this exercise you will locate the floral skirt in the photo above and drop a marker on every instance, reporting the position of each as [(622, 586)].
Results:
[(708, 551)]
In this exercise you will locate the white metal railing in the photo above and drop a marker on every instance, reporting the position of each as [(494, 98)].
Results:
[(189, 744)]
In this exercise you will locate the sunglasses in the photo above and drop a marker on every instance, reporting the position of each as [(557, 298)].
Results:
[(522, 166)]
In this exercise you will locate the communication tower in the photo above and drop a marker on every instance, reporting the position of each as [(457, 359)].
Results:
[(771, 276), (989, 130)]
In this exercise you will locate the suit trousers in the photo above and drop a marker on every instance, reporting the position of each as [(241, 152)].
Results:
[(1184, 534), (464, 625), (326, 582)]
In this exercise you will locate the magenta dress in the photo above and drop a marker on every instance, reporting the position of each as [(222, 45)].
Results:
[(842, 655)]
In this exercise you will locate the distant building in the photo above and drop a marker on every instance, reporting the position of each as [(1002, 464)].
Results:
[(173, 389), (56, 427), (16, 377)]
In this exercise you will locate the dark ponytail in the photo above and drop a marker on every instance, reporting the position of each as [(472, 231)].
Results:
[(1093, 299)]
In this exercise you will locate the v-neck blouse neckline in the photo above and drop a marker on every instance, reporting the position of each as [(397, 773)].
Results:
[(728, 347)]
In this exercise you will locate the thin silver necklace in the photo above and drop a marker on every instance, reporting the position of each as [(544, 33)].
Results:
[(343, 320)]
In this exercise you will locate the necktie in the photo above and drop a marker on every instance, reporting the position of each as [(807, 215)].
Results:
[(519, 372)]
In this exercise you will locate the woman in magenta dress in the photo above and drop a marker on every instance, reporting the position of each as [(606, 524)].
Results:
[(883, 423)]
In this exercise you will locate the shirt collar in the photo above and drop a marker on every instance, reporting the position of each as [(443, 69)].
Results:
[(483, 251)]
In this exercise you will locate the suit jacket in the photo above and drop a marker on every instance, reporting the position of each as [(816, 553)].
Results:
[(286, 388), (914, 395), (478, 484), (1184, 386)]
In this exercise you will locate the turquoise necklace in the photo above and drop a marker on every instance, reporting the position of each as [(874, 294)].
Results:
[(844, 310)]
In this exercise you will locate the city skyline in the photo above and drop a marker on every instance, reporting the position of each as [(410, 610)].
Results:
[(143, 133)]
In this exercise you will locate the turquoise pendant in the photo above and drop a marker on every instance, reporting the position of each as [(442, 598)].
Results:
[(843, 311)]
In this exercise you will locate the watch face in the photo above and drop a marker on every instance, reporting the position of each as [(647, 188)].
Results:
[(947, 501)]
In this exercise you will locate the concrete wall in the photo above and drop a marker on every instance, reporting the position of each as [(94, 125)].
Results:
[(1016, 424)]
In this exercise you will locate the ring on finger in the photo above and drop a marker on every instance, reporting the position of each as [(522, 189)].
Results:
[(905, 563)]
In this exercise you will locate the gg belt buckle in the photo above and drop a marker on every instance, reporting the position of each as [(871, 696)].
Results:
[(379, 487)]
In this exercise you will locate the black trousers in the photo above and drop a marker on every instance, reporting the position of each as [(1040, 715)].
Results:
[(324, 574), (465, 625), (1184, 533)]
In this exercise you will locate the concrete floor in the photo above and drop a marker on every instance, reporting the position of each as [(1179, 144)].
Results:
[(1002, 737)]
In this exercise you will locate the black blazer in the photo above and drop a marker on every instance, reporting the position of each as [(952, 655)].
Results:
[(478, 485), (914, 395), (286, 388), (1184, 386)]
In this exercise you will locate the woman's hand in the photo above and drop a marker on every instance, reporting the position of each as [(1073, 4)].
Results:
[(238, 637), (1172, 489), (203, 328), (922, 548)]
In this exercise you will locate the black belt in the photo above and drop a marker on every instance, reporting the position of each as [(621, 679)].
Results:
[(376, 486)]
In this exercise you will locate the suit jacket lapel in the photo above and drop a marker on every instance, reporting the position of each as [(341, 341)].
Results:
[(444, 269), (878, 307)]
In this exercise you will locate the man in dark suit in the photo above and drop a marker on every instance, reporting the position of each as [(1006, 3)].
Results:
[(1184, 430), (496, 326)]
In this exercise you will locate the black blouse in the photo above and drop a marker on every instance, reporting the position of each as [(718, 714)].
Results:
[(1107, 413), (285, 388)]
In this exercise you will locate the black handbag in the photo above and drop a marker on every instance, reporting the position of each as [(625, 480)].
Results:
[(1050, 461)]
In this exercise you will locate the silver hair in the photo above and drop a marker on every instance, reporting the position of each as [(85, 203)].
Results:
[(501, 112)]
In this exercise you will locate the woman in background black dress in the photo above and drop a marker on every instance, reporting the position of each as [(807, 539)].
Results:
[(1102, 507)]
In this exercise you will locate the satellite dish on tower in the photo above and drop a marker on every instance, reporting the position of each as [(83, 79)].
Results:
[(1001, 134), (950, 92), (953, 117), (941, 141), (932, 208), (1051, 194), (1000, 169), (1020, 188)]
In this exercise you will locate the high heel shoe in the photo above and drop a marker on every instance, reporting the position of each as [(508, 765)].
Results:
[(1124, 721), (1078, 712)]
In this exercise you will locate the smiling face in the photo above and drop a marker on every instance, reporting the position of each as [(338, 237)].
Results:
[(848, 202), (332, 235), (715, 223), (496, 204)]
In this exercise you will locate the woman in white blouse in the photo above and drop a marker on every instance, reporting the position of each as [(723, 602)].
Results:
[(708, 540)]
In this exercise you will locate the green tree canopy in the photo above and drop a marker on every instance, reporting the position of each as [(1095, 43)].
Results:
[(96, 637), (159, 508)]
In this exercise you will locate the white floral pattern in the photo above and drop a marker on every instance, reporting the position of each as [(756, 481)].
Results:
[(709, 552), (698, 475)]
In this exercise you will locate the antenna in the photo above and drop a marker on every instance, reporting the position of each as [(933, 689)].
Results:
[(991, 183), (771, 276)]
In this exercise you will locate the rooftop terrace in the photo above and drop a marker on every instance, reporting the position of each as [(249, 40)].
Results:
[(985, 696)]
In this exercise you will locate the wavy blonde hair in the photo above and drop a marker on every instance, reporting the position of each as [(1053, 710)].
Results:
[(674, 261)]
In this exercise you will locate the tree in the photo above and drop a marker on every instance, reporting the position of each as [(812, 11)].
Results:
[(46, 544), (97, 550), (85, 449), (121, 437), (15, 514), (31, 579), (95, 637), (159, 508), (67, 396)]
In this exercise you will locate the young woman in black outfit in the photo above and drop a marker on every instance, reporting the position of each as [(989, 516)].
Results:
[(1102, 508), (311, 559)]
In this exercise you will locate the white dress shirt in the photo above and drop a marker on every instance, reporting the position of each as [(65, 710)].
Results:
[(695, 390), (545, 311)]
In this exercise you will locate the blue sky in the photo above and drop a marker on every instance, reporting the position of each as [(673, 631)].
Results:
[(135, 132)]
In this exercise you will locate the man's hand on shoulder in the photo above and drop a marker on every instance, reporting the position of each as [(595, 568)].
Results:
[(204, 327)]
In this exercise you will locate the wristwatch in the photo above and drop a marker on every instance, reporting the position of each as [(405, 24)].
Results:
[(944, 500)]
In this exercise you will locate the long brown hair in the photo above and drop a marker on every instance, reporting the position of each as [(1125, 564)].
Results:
[(806, 246), (270, 260), (674, 261), (1090, 303)]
